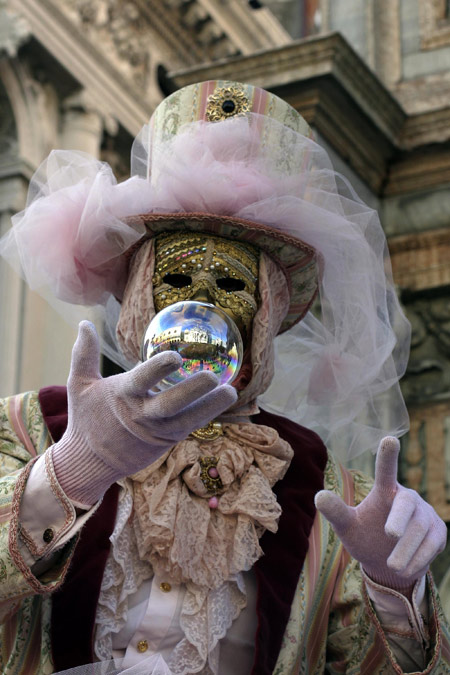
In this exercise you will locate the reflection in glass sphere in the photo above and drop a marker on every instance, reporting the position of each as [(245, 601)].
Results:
[(204, 336)]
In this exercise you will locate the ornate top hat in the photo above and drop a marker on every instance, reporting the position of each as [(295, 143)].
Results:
[(235, 161), (270, 121)]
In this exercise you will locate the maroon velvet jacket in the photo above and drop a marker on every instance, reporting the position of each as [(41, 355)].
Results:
[(277, 571)]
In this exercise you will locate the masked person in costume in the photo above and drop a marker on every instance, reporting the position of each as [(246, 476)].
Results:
[(187, 530)]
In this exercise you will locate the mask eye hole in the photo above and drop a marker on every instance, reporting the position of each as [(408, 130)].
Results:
[(230, 284), (177, 280)]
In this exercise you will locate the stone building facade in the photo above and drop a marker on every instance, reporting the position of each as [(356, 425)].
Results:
[(372, 77)]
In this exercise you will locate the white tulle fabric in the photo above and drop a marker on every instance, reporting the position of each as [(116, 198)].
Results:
[(154, 665), (336, 372)]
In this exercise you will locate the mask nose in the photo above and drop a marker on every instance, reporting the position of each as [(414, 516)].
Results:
[(203, 294)]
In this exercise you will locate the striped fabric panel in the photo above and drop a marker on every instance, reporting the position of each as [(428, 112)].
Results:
[(24, 636), (24, 415), (329, 560), (22, 640), (16, 411), (304, 645)]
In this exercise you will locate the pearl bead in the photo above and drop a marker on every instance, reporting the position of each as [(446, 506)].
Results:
[(213, 472), (213, 502)]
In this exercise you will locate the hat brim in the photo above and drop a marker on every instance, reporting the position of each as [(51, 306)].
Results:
[(299, 262)]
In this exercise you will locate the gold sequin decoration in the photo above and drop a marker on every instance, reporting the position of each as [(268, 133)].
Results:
[(205, 259), (227, 102), (185, 253)]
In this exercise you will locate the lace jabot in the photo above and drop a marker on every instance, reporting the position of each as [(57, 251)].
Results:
[(175, 533), (176, 529)]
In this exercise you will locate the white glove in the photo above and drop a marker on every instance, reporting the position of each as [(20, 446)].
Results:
[(117, 426)]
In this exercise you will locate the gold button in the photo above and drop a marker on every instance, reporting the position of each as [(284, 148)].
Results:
[(165, 587), (48, 535), (142, 646)]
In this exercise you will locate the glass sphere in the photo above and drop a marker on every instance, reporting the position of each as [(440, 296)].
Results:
[(204, 335)]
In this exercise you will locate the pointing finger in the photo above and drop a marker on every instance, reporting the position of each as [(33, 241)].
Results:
[(335, 511), (386, 464)]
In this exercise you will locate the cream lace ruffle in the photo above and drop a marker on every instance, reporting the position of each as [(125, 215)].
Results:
[(175, 533), (124, 573), (206, 616)]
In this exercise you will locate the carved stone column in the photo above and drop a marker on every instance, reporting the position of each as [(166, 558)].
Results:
[(12, 193), (82, 126)]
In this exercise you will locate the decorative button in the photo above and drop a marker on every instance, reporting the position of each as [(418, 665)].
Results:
[(165, 587), (48, 535), (142, 646)]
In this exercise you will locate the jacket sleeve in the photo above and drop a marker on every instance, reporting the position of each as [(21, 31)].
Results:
[(23, 437), (333, 626), (358, 642)]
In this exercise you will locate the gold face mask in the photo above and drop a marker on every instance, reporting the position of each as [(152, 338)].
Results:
[(194, 266)]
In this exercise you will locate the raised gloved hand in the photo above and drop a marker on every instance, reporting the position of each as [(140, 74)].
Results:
[(393, 533), (117, 426)]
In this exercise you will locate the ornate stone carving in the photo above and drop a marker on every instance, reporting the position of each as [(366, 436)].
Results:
[(428, 373), (117, 26), (14, 30), (132, 33)]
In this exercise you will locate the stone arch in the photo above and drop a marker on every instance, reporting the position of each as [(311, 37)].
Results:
[(35, 109)]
